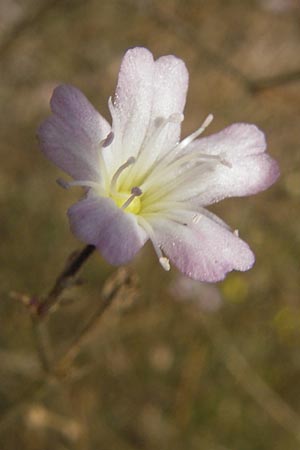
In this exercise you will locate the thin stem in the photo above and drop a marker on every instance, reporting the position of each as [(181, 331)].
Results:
[(42, 343), (122, 278), (63, 280), (110, 293)]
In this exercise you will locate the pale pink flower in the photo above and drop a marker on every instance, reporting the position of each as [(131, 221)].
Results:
[(143, 183)]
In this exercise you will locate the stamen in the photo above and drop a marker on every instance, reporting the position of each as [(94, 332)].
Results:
[(62, 183), (168, 157), (150, 140), (108, 140), (114, 180), (67, 184), (136, 192), (185, 142), (164, 261)]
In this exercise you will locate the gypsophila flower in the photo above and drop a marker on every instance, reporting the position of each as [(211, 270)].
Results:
[(142, 183)]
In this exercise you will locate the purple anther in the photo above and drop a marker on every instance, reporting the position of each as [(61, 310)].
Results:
[(62, 183), (108, 140), (136, 191)]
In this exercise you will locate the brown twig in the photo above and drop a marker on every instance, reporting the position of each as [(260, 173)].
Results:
[(64, 280), (118, 286), (39, 307), (111, 292)]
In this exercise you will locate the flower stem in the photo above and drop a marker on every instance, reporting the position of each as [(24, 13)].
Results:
[(63, 280)]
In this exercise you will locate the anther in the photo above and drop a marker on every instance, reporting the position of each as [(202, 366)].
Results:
[(165, 263), (108, 140), (63, 183), (135, 192), (163, 260), (81, 183)]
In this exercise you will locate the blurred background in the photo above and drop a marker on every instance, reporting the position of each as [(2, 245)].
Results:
[(180, 365)]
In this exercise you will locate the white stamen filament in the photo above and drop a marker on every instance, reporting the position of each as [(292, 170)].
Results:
[(135, 192), (81, 183), (182, 144), (167, 181), (195, 159), (149, 142), (174, 184), (164, 261), (159, 207), (168, 157), (185, 142), (173, 118), (128, 201), (114, 180)]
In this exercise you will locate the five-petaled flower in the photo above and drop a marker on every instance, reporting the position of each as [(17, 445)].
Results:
[(141, 182)]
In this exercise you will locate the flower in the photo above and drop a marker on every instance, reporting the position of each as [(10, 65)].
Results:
[(142, 183)]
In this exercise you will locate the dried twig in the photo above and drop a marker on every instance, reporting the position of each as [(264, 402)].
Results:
[(118, 287), (64, 280)]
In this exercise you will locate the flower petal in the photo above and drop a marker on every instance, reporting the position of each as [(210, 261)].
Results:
[(169, 96), (247, 169), (98, 221), (148, 92), (70, 138), (132, 102), (204, 249)]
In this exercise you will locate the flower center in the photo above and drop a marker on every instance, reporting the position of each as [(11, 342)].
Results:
[(127, 201)]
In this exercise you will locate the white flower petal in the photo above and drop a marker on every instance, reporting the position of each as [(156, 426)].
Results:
[(133, 102), (203, 250), (148, 93), (246, 168), (169, 96)]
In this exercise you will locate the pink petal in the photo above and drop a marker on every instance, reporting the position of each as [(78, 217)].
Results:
[(205, 250), (70, 138), (133, 99), (98, 221), (251, 170), (169, 96), (148, 91)]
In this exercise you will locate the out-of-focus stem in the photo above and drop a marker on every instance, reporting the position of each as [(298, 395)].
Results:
[(112, 289), (118, 287), (63, 280)]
